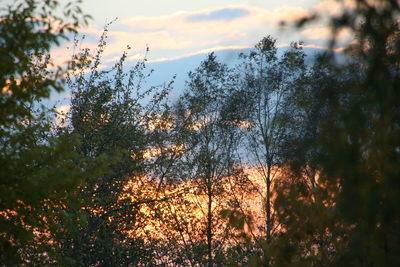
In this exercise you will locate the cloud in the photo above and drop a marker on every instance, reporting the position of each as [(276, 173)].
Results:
[(333, 7), (200, 52), (317, 33), (188, 32), (219, 18), (225, 14), (234, 25), (324, 33)]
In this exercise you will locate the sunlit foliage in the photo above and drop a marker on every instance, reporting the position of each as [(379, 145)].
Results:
[(274, 162)]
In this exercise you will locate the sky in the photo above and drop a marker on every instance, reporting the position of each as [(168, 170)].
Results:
[(175, 28), (180, 33)]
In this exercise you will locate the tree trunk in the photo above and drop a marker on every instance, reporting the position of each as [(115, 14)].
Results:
[(268, 205), (268, 211), (209, 228)]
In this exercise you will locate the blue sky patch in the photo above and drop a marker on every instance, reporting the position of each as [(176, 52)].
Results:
[(225, 14)]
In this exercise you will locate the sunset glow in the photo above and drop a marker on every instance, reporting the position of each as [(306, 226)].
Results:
[(199, 133)]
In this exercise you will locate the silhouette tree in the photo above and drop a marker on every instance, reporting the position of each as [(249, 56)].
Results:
[(210, 146), (266, 82), (39, 171), (111, 113), (354, 150)]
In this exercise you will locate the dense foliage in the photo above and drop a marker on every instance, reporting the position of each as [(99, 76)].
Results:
[(274, 162), (38, 169)]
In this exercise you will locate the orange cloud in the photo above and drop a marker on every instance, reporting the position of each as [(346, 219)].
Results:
[(333, 7), (323, 33)]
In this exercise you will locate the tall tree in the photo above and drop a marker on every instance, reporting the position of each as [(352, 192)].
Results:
[(266, 83), (356, 144), (211, 143), (111, 112), (38, 171), (304, 205)]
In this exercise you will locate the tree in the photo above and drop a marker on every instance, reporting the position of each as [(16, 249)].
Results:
[(112, 114), (211, 141), (266, 83), (356, 144), (310, 230), (38, 170)]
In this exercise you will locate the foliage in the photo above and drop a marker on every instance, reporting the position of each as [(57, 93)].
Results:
[(128, 179), (349, 168), (39, 171), (260, 103), (113, 115), (210, 155)]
